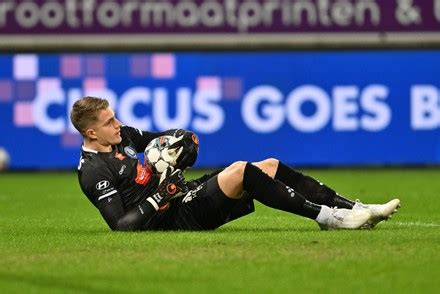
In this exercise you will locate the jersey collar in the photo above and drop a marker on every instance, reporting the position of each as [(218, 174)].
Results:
[(84, 148)]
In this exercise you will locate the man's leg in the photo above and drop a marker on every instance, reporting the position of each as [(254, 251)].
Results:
[(319, 193), (245, 176), (273, 193), (312, 189)]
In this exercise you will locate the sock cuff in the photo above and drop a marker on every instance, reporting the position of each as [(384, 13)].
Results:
[(255, 180), (249, 174), (280, 171), (286, 174)]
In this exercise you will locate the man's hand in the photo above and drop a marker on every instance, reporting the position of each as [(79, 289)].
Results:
[(171, 185), (186, 148)]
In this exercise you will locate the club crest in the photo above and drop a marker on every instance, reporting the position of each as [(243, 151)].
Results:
[(130, 152)]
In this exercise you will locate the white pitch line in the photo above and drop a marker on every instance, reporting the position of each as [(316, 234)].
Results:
[(416, 224)]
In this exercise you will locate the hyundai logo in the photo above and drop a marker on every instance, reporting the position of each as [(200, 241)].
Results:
[(102, 185)]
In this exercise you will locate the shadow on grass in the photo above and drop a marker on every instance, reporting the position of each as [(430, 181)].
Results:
[(103, 231), (226, 229), (45, 282), (266, 229)]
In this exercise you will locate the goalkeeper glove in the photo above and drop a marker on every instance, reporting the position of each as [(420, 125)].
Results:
[(171, 185), (186, 148)]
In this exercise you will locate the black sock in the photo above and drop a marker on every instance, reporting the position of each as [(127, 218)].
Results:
[(310, 188), (275, 194)]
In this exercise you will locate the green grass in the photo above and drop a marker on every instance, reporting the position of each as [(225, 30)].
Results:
[(53, 241)]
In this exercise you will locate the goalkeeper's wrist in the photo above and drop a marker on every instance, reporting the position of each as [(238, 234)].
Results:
[(157, 205)]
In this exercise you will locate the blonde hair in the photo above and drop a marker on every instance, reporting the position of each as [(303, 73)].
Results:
[(85, 112)]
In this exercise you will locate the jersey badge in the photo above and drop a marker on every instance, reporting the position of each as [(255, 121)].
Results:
[(130, 152)]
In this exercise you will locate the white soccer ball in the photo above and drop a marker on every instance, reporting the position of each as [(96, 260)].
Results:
[(4, 159), (158, 155)]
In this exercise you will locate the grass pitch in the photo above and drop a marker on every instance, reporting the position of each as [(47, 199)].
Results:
[(53, 241)]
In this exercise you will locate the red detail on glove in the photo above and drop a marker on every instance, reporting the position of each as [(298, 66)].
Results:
[(164, 207), (195, 139)]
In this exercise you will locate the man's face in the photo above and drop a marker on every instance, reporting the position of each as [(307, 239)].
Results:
[(107, 129)]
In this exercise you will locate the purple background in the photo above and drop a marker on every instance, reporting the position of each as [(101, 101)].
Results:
[(388, 23)]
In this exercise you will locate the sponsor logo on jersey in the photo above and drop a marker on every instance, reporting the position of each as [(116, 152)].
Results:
[(121, 171), (102, 185), (143, 174), (107, 190), (130, 152)]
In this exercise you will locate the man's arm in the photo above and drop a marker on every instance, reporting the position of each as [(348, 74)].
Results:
[(140, 138), (172, 184), (98, 183), (117, 219)]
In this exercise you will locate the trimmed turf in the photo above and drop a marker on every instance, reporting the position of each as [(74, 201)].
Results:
[(53, 241)]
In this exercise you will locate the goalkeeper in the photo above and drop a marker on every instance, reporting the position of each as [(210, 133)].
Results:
[(131, 197)]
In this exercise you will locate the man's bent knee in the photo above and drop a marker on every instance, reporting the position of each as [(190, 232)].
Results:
[(268, 166), (230, 179)]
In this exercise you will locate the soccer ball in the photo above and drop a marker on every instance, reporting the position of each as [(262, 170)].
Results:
[(4, 159), (157, 154)]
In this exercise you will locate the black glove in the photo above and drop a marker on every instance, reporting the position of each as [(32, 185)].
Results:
[(187, 146), (175, 132), (171, 185)]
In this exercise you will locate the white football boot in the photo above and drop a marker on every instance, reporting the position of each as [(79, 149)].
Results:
[(379, 212), (341, 218)]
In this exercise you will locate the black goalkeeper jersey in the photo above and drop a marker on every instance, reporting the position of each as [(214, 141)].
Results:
[(116, 182), (118, 185)]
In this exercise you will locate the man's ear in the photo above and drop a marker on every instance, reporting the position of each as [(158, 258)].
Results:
[(90, 133)]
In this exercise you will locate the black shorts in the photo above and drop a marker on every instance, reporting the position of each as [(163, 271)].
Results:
[(204, 208)]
